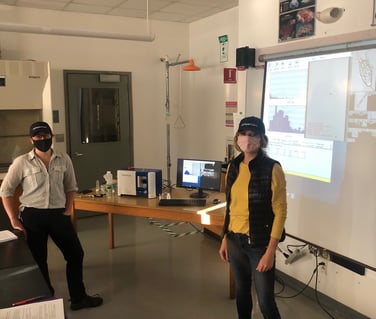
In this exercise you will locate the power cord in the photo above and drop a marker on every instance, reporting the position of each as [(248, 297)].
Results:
[(315, 272), (316, 291), (302, 290)]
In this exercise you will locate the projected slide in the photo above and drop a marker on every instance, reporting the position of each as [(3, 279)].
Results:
[(288, 117), (327, 99), (320, 118)]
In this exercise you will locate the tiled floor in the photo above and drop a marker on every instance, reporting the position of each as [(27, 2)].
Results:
[(153, 275)]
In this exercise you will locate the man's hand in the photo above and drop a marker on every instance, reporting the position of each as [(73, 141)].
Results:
[(16, 224)]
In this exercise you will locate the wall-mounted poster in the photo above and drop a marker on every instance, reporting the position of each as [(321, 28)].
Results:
[(296, 19)]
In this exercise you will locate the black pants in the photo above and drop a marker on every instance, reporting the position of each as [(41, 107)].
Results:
[(41, 223)]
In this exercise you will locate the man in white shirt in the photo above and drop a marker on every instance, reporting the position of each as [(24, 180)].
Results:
[(48, 185)]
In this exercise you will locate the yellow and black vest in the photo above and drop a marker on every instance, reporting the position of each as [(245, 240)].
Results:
[(259, 197)]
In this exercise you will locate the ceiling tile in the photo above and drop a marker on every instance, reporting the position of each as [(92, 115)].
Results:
[(42, 4), (87, 8), (165, 16), (182, 8), (107, 3), (8, 2), (165, 10), (133, 4), (132, 13)]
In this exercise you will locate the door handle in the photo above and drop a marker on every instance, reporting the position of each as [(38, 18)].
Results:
[(78, 154)]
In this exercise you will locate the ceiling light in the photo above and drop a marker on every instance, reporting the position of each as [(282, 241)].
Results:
[(23, 28)]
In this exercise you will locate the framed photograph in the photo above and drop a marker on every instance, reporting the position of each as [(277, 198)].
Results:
[(296, 19)]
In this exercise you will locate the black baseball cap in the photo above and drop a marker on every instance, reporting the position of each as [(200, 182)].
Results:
[(252, 123), (39, 127)]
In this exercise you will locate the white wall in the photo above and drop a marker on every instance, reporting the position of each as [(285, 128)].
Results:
[(258, 28), (205, 133), (142, 59)]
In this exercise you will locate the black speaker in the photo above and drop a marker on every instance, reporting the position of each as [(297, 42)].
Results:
[(245, 57)]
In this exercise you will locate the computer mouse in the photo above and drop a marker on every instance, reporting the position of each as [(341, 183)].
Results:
[(216, 201)]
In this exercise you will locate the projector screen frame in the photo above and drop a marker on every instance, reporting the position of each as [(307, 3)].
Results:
[(348, 47)]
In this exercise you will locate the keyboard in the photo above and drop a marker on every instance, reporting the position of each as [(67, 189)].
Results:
[(182, 202)]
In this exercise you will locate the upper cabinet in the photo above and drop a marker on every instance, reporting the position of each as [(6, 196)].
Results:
[(24, 84), (25, 97)]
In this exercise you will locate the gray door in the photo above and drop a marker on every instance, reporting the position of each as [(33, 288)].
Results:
[(99, 123)]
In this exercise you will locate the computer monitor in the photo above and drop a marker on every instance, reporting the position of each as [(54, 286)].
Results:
[(199, 174)]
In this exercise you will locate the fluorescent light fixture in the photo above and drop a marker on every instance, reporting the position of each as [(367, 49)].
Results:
[(23, 28)]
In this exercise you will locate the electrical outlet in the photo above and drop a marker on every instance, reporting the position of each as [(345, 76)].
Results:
[(322, 267), (319, 252), (325, 254), (313, 250)]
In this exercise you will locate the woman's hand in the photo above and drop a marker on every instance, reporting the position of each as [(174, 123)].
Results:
[(266, 262), (223, 251)]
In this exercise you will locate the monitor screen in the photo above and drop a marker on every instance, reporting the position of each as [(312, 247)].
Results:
[(199, 174)]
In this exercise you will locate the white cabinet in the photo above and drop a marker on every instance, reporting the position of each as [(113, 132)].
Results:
[(23, 84), (25, 97)]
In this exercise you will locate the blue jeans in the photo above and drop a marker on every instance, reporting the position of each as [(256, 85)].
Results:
[(244, 260)]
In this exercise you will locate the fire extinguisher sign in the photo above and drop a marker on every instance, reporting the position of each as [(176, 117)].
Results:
[(229, 75)]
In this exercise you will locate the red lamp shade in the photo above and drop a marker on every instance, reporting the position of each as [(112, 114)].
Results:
[(191, 66)]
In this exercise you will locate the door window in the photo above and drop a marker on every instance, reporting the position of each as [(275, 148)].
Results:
[(99, 115)]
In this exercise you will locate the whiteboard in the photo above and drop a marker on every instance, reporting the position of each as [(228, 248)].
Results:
[(320, 118)]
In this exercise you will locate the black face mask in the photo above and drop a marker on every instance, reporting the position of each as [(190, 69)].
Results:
[(43, 145)]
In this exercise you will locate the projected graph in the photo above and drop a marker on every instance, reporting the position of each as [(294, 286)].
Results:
[(288, 119), (288, 84)]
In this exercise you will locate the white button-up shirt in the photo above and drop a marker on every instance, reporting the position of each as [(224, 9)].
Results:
[(42, 188)]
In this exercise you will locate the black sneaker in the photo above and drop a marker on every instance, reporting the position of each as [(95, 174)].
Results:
[(87, 302)]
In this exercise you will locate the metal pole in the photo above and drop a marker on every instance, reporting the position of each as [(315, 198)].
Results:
[(167, 109)]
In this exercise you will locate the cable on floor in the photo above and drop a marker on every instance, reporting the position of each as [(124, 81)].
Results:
[(314, 273)]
